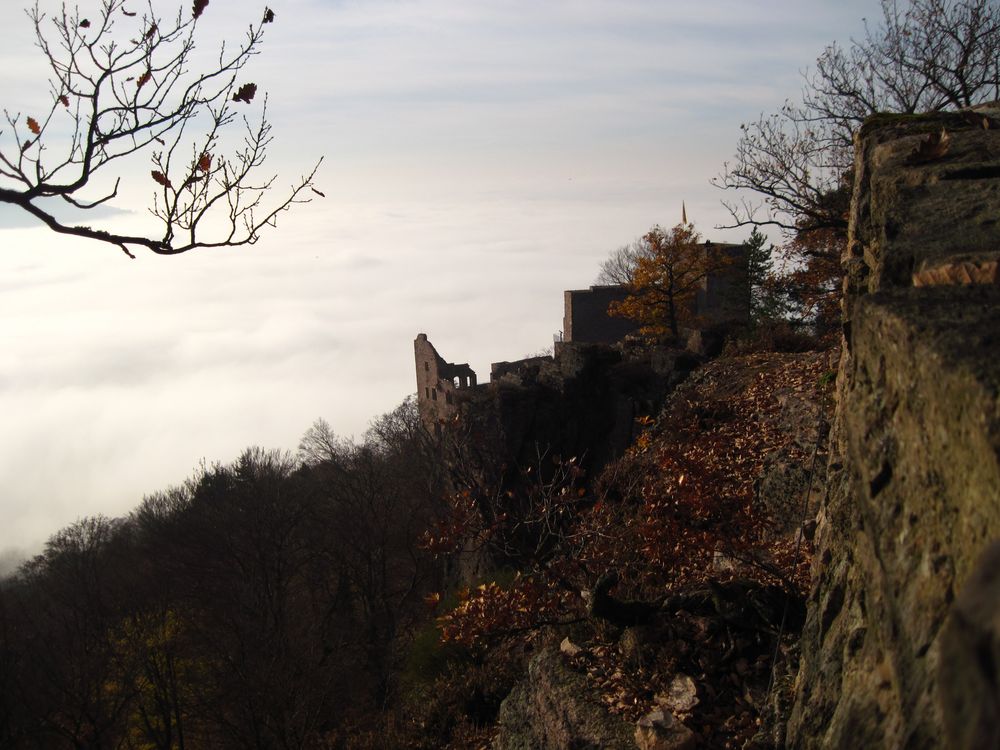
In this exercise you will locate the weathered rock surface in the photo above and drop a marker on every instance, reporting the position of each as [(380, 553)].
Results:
[(660, 730), (969, 686), (906, 217), (914, 481), (554, 709)]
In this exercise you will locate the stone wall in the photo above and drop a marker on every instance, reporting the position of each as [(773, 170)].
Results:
[(440, 384), (902, 642), (582, 402), (586, 319), (722, 297)]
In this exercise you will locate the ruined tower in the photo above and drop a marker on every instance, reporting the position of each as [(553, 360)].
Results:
[(438, 382)]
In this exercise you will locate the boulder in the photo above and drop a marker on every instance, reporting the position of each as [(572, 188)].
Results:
[(680, 696), (781, 488), (554, 708), (661, 730)]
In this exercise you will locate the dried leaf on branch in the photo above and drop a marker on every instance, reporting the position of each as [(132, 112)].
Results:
[(245, 93), (185, 106)]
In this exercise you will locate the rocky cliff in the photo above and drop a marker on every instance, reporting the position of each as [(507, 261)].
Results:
[(902, 642)]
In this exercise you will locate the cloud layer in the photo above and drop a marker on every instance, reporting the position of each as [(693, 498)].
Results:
[(480, 158)]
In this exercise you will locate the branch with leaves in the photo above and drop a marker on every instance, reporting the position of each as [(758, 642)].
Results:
[(664, 282), (123, 85)]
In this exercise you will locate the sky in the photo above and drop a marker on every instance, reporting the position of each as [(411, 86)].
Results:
[(479, 157)]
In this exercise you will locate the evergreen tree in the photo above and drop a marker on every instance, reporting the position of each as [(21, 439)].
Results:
[(766, 300)]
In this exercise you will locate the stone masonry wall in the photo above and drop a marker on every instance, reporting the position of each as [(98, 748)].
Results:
[(439, 383), (723, 297), (586, 319), (902, 642)]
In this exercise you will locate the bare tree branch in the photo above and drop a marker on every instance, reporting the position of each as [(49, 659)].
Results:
[(924, 55), (620, 264), (122, 85)]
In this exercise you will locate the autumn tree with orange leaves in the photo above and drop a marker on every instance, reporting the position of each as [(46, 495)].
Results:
[(124, 85), (665, 281)]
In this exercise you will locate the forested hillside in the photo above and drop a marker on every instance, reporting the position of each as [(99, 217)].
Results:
[(319, 600), (258, 604)]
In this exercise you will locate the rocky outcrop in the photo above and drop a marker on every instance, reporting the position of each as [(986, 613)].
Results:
[(788, 476), (911, 214), (554, 709), (970, 653), (584, 402), (901, 642), (660, 730)]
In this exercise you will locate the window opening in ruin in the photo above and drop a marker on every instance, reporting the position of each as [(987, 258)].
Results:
[(434, 395), (427, 392), (427, 366)]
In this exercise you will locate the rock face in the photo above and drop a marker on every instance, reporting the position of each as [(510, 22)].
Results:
[(553, 709), (970, 653), (660, 730), (583, 402), (889, 659), (909, 216)]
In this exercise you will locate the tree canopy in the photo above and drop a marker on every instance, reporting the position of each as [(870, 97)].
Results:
[(665, 278)]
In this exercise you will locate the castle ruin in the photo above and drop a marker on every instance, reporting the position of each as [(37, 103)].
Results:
[(723, 297), (439, 383)]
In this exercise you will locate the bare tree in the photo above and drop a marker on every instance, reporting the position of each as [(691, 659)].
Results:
[(924, 55), (70, 604), (122, 85), (321, 444), (621, 263)]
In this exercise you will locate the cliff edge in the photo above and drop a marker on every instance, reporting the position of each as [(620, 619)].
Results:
[(901, 646)]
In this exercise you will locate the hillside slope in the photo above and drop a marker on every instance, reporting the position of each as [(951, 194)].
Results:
[(694, 535)]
